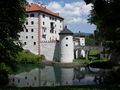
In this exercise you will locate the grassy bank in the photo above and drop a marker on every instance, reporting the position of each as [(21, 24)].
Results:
[(26, 57), (86, 87), (89, 61)]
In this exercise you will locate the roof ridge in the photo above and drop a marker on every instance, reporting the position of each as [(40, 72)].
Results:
[(37, 7)]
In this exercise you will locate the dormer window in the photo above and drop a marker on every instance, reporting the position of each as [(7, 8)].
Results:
[(31, 15), (43, 16)]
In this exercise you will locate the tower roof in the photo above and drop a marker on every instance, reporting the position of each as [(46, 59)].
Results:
[(66, 31)]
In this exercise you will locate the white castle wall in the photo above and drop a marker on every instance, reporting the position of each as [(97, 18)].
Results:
[(26, 36), (67, 47), (67, 75), (50, 50), (58, 26)]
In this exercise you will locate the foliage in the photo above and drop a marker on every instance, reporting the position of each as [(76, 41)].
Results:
[(28, 57), (89, 41), (81, 60), (105, 15), (12, 17), (89, 61), (82, 87), (27, 67), (94, 54)]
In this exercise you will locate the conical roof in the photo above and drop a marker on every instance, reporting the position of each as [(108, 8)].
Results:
[(66, 31)]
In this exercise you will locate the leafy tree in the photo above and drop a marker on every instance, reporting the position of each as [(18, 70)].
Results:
[(90, 40), (12, 17), (105, 15)]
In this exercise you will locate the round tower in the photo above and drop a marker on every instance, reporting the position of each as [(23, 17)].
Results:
[(66, 46)]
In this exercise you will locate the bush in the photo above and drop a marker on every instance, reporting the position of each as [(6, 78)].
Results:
[(28, 57)]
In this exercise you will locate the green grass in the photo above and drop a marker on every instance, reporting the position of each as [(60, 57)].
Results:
[(89, 61), (81, 60), (94, 52), (27, 57)]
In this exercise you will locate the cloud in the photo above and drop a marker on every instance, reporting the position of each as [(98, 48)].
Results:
[(30, 1), (72, 12)]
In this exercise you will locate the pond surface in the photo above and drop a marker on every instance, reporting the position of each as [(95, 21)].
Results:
[(53, 76)]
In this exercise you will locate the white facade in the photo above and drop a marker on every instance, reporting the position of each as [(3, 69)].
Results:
[(66, 47), (82, 41), (40, 26)]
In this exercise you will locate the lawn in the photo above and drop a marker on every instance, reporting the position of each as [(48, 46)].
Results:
[(89, 61)]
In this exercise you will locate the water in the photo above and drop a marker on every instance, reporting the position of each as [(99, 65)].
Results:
[(54, 76)]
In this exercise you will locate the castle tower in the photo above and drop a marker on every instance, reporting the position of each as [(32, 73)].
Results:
[(66, 46)]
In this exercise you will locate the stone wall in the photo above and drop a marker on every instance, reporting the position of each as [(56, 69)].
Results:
[(51, 50)]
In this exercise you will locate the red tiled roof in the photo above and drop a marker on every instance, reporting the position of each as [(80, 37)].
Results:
[(36, 7)]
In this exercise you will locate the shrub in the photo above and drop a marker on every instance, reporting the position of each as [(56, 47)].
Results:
[(28, 57)]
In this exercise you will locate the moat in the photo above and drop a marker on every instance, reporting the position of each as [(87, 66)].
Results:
[(35, 76)]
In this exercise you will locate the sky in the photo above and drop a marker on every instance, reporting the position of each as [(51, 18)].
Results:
[(74, 12)]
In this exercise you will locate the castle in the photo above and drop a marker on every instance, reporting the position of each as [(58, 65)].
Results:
[(44, 33)]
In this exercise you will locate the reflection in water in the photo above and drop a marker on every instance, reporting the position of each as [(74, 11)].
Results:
[(52, 76)]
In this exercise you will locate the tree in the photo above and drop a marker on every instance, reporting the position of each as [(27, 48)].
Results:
[(105, 15), (12, 17)]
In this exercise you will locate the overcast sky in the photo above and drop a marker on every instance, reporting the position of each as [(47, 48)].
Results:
[(75, 13)]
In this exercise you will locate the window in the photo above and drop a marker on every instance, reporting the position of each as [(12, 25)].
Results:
[(32, 22), (51, 31), (60, 26), (32, 37), (25, 43), (13, 80), (44, 36), (18, 81), (25, 77), (31, 15), (26, 30), (35, 78), (43, 16), (32, 30), (66, 45), (43, 23), (60, 20), (50, 18), (27, 15), (66, 38), (34, 43), (26, 37), (52, 27), (44, 30), (26, 23), (55, 19)]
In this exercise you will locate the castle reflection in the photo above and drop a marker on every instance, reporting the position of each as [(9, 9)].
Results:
[(53, 76)]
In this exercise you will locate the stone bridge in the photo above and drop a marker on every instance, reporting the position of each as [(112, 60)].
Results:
[(78, 48), (100, 48)]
